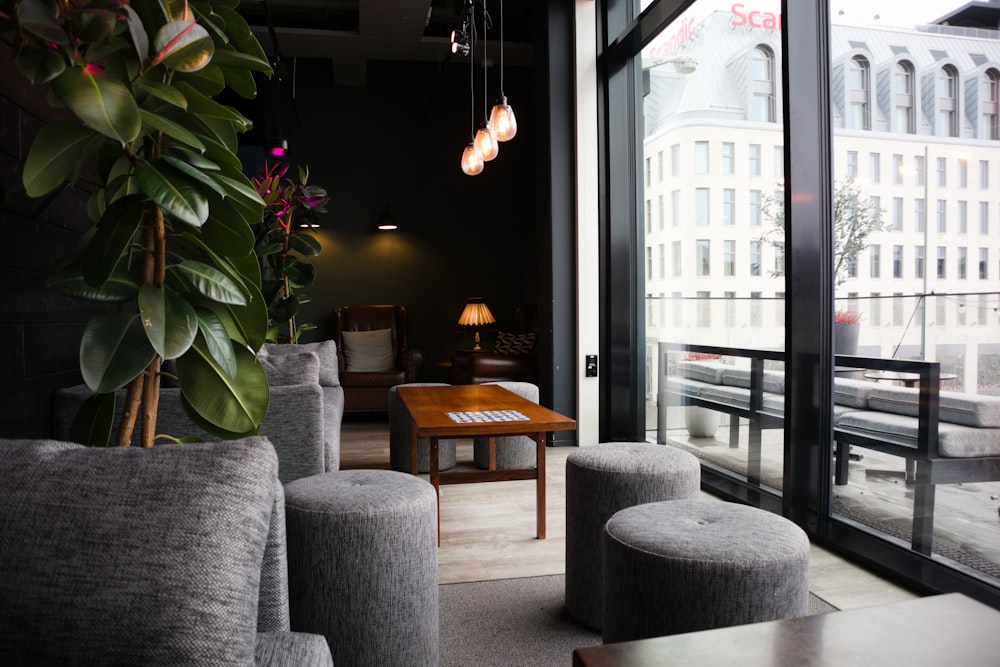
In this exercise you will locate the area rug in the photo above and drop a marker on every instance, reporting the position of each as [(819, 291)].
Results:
[(518, 623)]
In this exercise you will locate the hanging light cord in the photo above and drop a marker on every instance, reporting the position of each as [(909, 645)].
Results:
[(502, 93), (487, 23), (472, 81)]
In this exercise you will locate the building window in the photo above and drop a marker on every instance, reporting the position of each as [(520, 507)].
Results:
[(902, 99), (677, 305), (663, 260), (730, 309), (961, 311), (897, 169), (962, 169), (675, 207), (649, 217), (661, 207), (941, 311), (756, 196), (988, 100), (875, 205), (875, 309), (858, 92), (919, 214), (963, 257), (729, 258), (897, 261), (649, 171), (728, 206), (984, 174), (675, 249), (852, 165), (852, 267), (659, 166), (755, 318), (649, 263), (963, 216), (897, 309), (942, 216), (942, 172), (982, 309), (701, 206), (942, 268), (675, 160), (918, 262), (702, 248), (701, 157), (897, 214), (728, 158), (754, 258), (762, 106), (984, 218), (875, 260), (779, 162), (779, 258), (754, 154), (984, 259), (875, 167), (918, 170), (779, 309), (947, 102), (704, 309)]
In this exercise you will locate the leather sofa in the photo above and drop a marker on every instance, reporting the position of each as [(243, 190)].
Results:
[(366, 378), (481, 366)]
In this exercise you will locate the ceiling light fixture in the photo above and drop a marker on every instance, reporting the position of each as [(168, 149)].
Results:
[(472, 160), (386, 222), (486, 137), (502, 116)]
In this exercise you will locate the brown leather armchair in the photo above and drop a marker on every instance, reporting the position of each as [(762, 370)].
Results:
[(477, 367), (366, 380)]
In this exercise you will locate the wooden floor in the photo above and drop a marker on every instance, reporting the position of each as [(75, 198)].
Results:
[(488, 529)]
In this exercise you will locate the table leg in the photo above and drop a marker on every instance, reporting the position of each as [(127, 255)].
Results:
[(435, 480), (492, 452), (539, 439), (413, 447)]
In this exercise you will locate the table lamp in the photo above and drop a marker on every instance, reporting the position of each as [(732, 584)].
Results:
[(476, 315)]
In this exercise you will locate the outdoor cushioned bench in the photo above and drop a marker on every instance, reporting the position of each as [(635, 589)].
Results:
[(946, 437)]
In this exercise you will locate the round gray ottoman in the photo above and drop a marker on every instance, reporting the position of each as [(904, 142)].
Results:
[(362, 565), (513, 451), (399, 437), (600, 480), (688, 565)]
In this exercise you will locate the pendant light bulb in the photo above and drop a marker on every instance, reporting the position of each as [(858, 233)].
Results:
[(472, 161), (486, 143), (503, 121)]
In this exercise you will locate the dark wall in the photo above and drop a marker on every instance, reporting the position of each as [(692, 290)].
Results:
[(398, 141), (39, 329)]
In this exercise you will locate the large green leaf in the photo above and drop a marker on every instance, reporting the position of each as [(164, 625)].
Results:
[(229, 57), (242, 36), (184, 46), (196, 160), (301, 274), (304, 243), (233, 406), (94, 420), (228, 232), (120, 287), (140, 39), (39, 18), (241, 82), (196, 174), (93, 24), (217, 340), (55, 157), (103, 104), (211, 282), (175, 193), (191, 246), (113, 351), (178, 10), (244, 324), (220, 154), (171, 129), (116, 230), (169, 320), (164, 92), (208, 80), (40, 65)]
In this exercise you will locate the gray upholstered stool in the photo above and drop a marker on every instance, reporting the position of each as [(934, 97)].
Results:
[(600, 480), (399, 437), (513, 451), (362, 565), (688, 565)]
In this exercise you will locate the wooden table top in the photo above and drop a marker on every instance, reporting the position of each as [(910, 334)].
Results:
[(939, 630), (429, 408)]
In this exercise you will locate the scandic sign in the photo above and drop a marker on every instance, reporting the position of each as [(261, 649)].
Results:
[(740, 17)]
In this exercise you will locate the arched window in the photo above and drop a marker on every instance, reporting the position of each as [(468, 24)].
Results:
[(988, 99), (762, 102), (859, 94), (947, 102), (903, 119)]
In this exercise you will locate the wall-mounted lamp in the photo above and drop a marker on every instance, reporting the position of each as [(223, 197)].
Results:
[(386, 222), (277, 146), (475, 316)]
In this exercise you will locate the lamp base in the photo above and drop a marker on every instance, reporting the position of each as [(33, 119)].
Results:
[(477, 347)]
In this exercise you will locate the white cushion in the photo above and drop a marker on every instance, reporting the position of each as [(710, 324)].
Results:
[(369, 350)]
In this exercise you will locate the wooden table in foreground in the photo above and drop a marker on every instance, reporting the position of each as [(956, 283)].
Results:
[(429, 409), (947, 629)]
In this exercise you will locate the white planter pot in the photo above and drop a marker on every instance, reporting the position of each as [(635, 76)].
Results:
[(701, 422)]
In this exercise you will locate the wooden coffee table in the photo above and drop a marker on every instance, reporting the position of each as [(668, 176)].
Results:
[(454, 412)]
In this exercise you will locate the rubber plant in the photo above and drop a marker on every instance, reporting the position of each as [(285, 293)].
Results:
[(282, 246), (171, 243)]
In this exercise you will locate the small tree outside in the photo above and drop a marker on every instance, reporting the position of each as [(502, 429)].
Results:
[(855, 217)]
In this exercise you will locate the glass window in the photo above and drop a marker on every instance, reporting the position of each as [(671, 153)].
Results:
[(649, 217), (701, 157), (675, 207), (962, 172), (701, 206), (675, 160), (942, 268), (919, 215), (988, 99), (875, 168), (730, 313), (754, 258), (661, 210), (704, 308), (649, 172), (918, 170), (963, 216), (755, 314), (875, 309), (918, 261), (897, 261), (897, 309), (947, 102), (675, 248), (984, 174), (942, 216), (729, 258), (858, 94), (962, 262), (728, 206), (763, 107), (754, 152), (649, 263), (942, 172), (659, 166), (984, 260), (852, 165), (902, 98), (779, 258), (756, 197), (728, 158), (702, 259), (897, 214), (663, 259), (984, 218), (897, 169), (874, 260), (779, 162), (941, 311)]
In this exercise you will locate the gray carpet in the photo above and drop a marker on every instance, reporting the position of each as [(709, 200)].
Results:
[(518, 623)]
